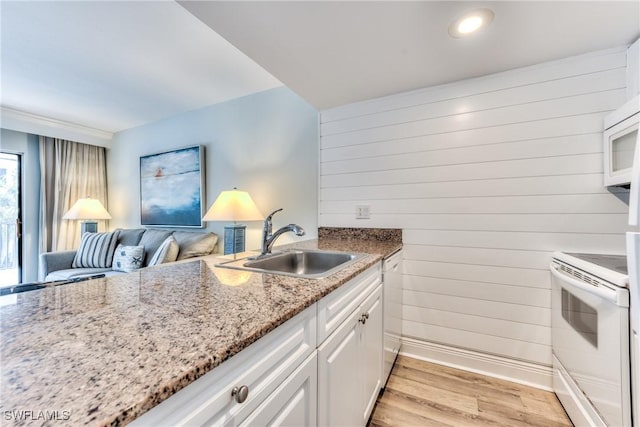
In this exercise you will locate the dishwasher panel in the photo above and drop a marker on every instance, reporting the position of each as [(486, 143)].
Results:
[(392, 289)]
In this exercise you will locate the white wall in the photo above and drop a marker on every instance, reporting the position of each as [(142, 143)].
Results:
[(486, 177), (27, 145), (266, 144)]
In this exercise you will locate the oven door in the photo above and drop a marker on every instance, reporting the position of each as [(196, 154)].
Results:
[(590, 338)]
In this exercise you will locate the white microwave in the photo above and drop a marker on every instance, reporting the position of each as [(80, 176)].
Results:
[(620, 139)]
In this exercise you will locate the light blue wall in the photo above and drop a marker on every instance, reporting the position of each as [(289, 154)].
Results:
[(27, 145), (265, 143)]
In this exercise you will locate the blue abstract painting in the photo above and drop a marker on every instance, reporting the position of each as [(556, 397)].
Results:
[(172, 188)]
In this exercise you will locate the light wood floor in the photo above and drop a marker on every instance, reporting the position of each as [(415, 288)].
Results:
[(425, 394)]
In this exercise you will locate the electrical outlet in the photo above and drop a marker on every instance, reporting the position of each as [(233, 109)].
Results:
[(363, 212)]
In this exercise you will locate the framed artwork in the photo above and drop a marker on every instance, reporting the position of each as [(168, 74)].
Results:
[(172, 188)]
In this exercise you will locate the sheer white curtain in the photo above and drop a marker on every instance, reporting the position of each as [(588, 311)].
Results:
[(69, 171)]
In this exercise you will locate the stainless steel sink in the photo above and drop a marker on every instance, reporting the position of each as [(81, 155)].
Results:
[(297, 263)]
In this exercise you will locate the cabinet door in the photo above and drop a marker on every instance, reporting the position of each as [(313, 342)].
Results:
[(372, 356), (340, 376), (294, 403)]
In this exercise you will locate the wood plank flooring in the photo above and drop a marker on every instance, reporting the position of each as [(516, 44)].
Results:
[(425, 394)]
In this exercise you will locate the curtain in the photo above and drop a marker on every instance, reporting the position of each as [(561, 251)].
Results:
[(69, 171)]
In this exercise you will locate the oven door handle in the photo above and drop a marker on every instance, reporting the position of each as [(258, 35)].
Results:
[(603, 292)]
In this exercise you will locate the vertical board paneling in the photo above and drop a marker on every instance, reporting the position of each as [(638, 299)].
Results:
[(487, 177)]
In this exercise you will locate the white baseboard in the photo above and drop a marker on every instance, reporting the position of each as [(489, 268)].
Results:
[(530, 374)]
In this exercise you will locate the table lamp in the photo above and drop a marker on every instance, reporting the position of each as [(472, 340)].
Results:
[(90, 210), (234, 205)]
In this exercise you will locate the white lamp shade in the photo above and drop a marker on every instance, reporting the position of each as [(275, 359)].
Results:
[(87, 208), (233, 205)]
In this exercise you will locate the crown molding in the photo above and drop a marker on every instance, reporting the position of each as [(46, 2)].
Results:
[(23, 121)]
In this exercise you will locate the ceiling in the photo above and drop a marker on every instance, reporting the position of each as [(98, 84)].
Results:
[(332, 52), (116, 65), (113, 65)]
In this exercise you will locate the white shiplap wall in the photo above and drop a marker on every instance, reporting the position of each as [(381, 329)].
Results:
[(486, 177)]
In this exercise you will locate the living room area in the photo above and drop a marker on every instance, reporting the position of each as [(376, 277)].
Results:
[(74, 125), (287, 154)]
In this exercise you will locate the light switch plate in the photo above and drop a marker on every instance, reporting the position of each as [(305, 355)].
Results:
[(363, 212)]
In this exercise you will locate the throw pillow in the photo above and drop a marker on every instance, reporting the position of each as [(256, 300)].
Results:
[(167, 252), (195, 244), (128, 258), (96, 250), (130, 236), (151, 240)]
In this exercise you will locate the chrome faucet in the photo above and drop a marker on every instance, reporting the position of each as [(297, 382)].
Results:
[(268, 238)]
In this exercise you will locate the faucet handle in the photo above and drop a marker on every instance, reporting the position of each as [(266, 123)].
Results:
[(272, 214)]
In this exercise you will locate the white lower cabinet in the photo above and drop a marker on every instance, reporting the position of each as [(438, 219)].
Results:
[(350, 366), (294, 402), (292, 377), (255, 374)]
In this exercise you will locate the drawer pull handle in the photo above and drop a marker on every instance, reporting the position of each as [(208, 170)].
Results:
[(240, 393), (363, 318)]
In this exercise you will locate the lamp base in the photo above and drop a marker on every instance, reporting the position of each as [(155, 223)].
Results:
[(88, 227), (234, 236)]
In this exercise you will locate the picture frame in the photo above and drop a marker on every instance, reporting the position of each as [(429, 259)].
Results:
[(172, 188)]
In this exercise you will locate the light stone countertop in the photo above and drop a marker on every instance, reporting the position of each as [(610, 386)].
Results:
[(103, 352)]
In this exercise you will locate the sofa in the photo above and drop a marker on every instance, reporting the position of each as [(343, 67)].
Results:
[(55, 266)]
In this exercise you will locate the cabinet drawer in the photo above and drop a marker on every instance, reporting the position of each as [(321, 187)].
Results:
[(261, 367), (339, 304)]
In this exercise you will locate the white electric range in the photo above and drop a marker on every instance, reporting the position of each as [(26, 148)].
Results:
[(590, 338)]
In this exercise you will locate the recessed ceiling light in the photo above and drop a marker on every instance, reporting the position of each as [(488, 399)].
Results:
[(470, 22)]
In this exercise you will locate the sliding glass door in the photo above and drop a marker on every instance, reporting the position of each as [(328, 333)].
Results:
[(10, 219)]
